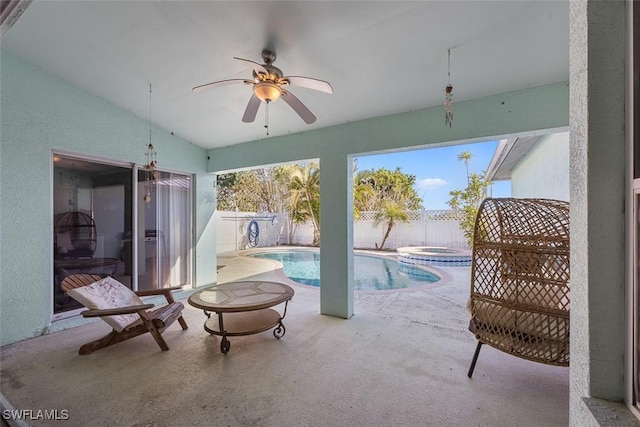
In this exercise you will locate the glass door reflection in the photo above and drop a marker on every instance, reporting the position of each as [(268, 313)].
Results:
[(164, 230)]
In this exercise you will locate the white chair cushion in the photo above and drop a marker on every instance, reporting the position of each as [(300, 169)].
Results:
[(108, 293)]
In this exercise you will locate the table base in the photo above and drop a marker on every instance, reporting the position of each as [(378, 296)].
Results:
[(244, 323)]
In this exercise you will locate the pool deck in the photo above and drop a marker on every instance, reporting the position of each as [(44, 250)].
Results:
[(402, 359), (440, 304)]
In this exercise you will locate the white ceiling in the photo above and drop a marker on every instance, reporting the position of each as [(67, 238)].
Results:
[(380, 57)]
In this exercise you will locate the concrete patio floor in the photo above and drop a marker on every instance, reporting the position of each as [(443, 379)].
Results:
[(401, 360)]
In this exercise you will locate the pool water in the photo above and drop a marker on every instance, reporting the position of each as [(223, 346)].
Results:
[(370, 272)]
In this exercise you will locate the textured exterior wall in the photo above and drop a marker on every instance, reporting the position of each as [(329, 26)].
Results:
[(544, 171), (597, 149), (39, 114)]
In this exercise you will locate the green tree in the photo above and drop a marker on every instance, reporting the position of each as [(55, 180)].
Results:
[(236, 190), (225, 192), (256, 190), (390, 213), (297, 214), (466, 156), (305, 182), (394, 186), (289, 188), (363, 193), (390, 193), (468, 201), (291, 200), (295, 188)]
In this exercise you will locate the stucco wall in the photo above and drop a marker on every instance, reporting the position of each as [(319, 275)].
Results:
[(597, 150), (544, 170), (41, 113)]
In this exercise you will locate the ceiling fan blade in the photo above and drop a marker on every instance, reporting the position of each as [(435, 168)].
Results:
[(298, 107), (252, 109), (212, 85), (310, 83), (258, 68)]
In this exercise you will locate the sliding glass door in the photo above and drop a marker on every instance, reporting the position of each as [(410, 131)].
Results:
[(164, 230), (95, 206), (91, 223), (633, 397)]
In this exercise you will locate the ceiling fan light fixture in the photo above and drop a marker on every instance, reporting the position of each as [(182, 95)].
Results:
[(269, 84), (267, 91)]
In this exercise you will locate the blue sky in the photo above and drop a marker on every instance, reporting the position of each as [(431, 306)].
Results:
[(438, 170)]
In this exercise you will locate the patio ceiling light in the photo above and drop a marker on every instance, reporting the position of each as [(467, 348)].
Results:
[(267, 91)]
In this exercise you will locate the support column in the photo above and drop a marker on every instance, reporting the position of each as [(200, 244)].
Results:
[(205, 230), (336, 235), (597, 156)]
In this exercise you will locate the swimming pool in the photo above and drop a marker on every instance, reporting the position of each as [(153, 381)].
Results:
[(370, 272)]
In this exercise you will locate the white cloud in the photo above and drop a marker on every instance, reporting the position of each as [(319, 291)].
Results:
[(431, 183)]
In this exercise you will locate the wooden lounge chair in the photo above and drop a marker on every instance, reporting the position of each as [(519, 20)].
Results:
[(520, 279), (122, 309)]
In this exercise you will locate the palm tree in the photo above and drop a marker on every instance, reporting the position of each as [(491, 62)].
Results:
[(297, 214), (363, 194), (465, 156), (390, 213), (306, 181)]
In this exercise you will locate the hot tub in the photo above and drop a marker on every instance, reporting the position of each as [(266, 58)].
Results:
[(434, 255)]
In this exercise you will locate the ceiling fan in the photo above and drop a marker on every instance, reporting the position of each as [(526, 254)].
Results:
[(269, 84)]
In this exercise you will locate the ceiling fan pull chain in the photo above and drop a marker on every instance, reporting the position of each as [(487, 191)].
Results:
[(266, 117)]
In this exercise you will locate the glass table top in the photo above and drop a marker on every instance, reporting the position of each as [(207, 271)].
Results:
[(241, 296)]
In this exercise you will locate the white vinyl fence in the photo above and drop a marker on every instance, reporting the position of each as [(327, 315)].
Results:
[(425, 228), (244, 230)]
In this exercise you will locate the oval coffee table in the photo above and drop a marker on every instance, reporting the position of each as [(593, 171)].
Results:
[(246, 308)]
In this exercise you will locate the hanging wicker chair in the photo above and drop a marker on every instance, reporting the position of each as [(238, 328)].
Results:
[(79, 230), (520, 279)]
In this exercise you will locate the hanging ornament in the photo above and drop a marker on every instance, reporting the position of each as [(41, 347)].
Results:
[(448, 96), (150, 174), (150, 158)]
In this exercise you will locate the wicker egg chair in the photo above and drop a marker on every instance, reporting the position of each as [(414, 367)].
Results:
[(519, 300)]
